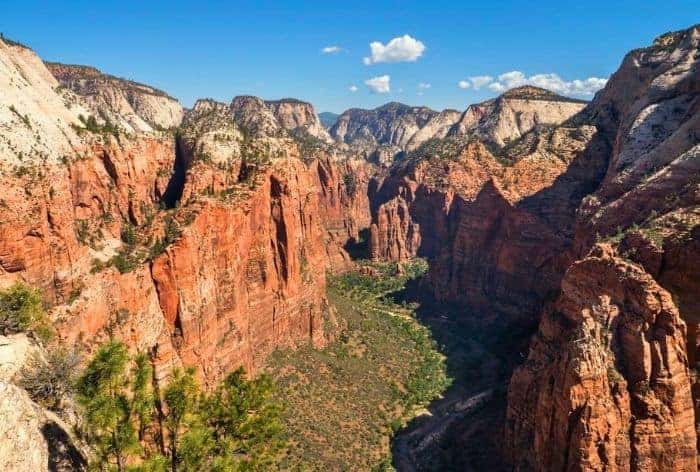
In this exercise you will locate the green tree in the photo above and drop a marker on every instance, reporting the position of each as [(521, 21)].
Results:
[(245, 421), (143, 401), (102, 393), (181, 397), (234, 429), (22, 309)]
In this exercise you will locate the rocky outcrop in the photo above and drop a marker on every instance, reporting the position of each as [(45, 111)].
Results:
[(393, 124), (270, 117), (381, 134), (515, 113), (294, 114), (206, 249), (33, 438), (31, 108), (480, 219), (124, 103), (606, 385)]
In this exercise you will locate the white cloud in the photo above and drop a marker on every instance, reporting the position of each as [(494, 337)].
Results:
[(479, 81), (463, 84), (401, 49), (422, 86), (512, 79), (353, 88), (579, 87), (379, 84), (515, 78), (331, 50)]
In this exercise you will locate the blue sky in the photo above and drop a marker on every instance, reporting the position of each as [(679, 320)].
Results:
[(274, 49)]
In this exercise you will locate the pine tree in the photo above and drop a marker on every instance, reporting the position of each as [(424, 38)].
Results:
[(102, 392), (142, 402), (236, 428), (245, 421), (181, 396)]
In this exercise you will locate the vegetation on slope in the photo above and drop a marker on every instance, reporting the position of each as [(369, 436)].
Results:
[(131, 427), (344, 403), (22, 309)]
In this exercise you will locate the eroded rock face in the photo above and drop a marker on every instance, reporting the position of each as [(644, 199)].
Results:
[(133, 106), (606, 385), (502, 225), (515, 113), (294, 115), (492, 244), (393, 124), (33, 438)]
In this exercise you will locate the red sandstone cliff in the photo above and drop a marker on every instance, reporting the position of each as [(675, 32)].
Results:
[(502, 227), (208, 250), (564, 411)]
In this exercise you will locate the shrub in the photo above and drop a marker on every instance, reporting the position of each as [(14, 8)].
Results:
[(22, 309), (350, 181), (48, 380), (128, 234), (124, 262)]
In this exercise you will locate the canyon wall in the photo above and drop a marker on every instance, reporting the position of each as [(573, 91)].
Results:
[(607, 384), (580, 224), (207, 248)]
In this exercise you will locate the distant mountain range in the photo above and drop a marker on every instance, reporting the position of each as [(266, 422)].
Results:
[(328, 118)]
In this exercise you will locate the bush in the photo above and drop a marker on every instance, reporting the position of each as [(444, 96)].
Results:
[(128, 234), (124, 262), (48, 380), (22, 309), (350, 181)]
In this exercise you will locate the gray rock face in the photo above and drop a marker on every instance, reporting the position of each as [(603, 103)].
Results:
[(514, 114), (31, 437), (130, 105), (496, 121), (392, 124)]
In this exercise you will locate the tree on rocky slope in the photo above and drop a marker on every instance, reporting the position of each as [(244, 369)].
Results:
[(234, 428), (22, 309)]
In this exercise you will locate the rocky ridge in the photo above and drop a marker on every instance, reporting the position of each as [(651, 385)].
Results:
[(129, 105)]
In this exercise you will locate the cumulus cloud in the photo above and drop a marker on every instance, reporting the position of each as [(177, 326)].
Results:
[(379, 84), (353, 88), (479, 81), (422, 86), (515, 78), (401, 49)]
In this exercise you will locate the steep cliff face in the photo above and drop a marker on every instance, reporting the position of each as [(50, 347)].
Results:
[(496, 240), (31, 108), (130, 105), (606, 385), (297, 115), (565, 411), (207, 249)]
